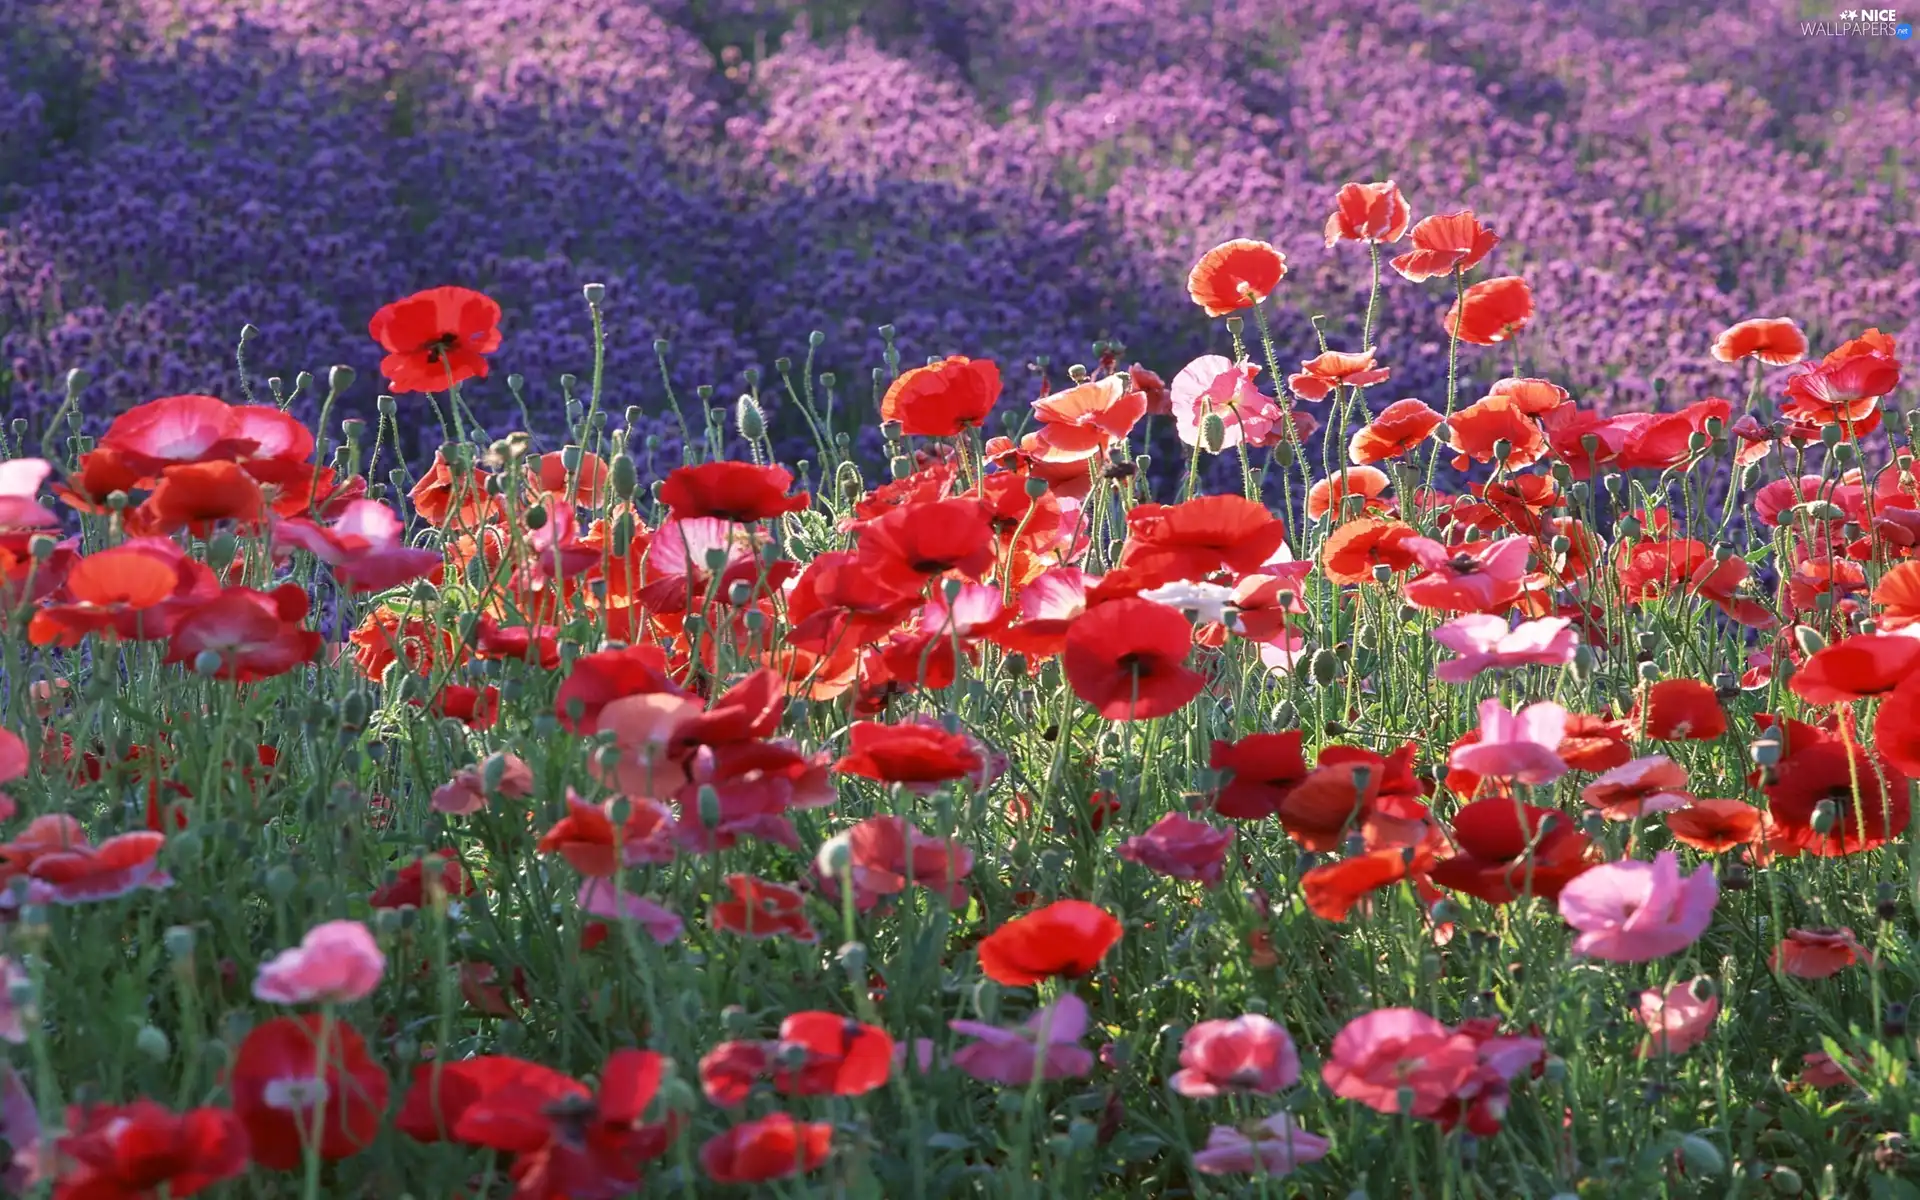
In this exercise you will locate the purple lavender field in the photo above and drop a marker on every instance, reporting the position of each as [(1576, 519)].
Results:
[(1008, 178)]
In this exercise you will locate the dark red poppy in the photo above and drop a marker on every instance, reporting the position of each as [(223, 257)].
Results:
[(417, 883), (599, 679), (1066, 938), (1265, 767), (436, 338), (733, 491), (1127, 659), (760, 909), (910, 753), (285, 1088), (1505, 850), (1235, 275), (1681, 709), (943, 398), (138, 1150), (1858, 668), (774, 1147), (1491, 311), (1860, 799)]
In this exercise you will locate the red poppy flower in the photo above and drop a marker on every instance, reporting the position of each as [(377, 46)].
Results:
[(1332, 890), (436, 338), (1848, 390), (1368, 212), (1491, 311), (1857, 668), (417, 883), (838, 1056), (1681, 708), (197, 495), (1897, 594), (1398, 428), (1475, 432), (930, 539), (128, 1152), (943, 398), (1086, 419), (733, 491), (448, 499), (1355, 548), (760, 909), (1066, 938), (118, 590), (1775, 341), (476, 708), (1206, 534), (1896, 728), (1127, 659), (600, 678), (912, 753), (1445, 243), (1235, 275), (1715, 826), (1861, 799), (774, 1147), (285, 1088), (441, 1092), (253, 635), (1507, 850), (1817, 953)]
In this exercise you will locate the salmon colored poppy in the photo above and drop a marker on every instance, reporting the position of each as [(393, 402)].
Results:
[(1333, 890), (1355, 548), (1817, 953), (1128, 658), (436, 338), (1445, 243), (1491, 311), (1644, 786), (250, 634), (1715, 826), (1319, 376), (1677, 709), (1858, 668), (1535, 397), (1476, 431), (1066, 939), (1085, 419), (1235, 275), (733, 491), (1775, 341), (942, 399), (1398, 428), (1898, 595), (115, 590), (1368, 212), (1367, 484)]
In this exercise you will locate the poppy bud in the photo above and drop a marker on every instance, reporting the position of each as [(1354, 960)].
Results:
[(1649, 672), (1696, 442), (1213, 433), (1630, 527), (1845, 453), (1809, 639), (1382, 573), (221, 548), (1786, 1181), (281, 881), (1035, 487), (1282, 454), (152, 1043), (1826, 815), (178, 938), (1830, 435), (1502, 449), (1077, 372), (751, 420), (1700, 1156), (355, 707), (1285, 715), (709, 806), (1765, 751)]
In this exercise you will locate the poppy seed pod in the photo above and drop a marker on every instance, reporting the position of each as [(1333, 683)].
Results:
[(594, 293), (1035, 487), (1213, 433), (1324, 666)]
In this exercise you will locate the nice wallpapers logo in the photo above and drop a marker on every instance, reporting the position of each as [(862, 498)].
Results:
[(1860, 22)]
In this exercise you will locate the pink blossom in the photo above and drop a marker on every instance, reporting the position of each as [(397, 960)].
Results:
[(599, 898), (885, 854), (1180, 847), (1522, 746), (1484, 643), (1389, 1051), (1250, 1053), (1480, 577), (1637, 912), (1009, 1057), (1676, 1019), (1215, 384), (336, 963), (1273, 1147), (365, 545), (1653, 784), (20, 507), (467, 791)]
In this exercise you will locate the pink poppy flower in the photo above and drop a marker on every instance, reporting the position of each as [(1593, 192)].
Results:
[(1637, 912), (1275, 1146), (1654, 784), (336, 963), (885, 854), (644, 728), (1216, 384), (1522, 746), (1676, 1019), (1250, 1053), (366, 545), (20, 507), (1180, 847), (467, 791), (1009, 1057), (1478, 577), (1821, 1071), (1390, 1050), (598, 898), (1485, 643)]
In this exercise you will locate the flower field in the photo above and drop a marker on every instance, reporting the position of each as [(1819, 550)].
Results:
[(988, 600)]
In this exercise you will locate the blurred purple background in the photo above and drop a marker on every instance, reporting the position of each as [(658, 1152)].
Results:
[(994, 177)]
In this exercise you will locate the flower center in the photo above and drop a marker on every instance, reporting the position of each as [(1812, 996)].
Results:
[(292, 1094)]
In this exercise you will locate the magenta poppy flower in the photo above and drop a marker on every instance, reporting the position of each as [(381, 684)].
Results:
[(1180, 847), (1273, 1147), (1485, 643), (1637, 912), (1009, 1057)]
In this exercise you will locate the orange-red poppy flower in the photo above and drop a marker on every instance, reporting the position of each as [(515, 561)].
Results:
[(1444, 243), (1476, 431), (1817, 953), (1491, 311), (1535, 397), (1398, 428), (1368, 212), (733, 491), (1857, 668), (1898, 595), (1066, 938), (436, 338), (1235, 275), (1714, 826), (1775, 341), (1368, 483), (1677, 709), (943, 398), (1356, 547), (1319, 375), (1085, 419)]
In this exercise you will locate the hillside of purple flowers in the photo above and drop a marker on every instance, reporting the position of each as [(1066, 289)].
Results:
[(1009, 178)]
